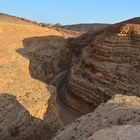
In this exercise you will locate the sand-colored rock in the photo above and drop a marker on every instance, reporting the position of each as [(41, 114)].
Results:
[(15, 121), (135, 20), (48, 56), (108, 64), (85, 27), (119, 111), (5, 18), (17, 81), (126, 132), (104, 63)]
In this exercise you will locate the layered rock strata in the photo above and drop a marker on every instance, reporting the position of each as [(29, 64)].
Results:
[(108, 64)]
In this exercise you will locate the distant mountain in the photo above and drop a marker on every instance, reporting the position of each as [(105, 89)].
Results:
[(26, 104), (135, 20), (85, 27)]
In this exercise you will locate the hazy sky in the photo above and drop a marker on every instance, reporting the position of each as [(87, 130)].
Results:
[(72, 11)]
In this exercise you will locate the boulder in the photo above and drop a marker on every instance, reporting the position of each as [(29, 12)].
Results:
[(119, 111)]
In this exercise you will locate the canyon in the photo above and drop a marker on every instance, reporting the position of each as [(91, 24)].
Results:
[(28, 106), (107, 63), (66, 85)]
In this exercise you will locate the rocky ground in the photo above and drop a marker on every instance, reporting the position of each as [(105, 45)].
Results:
[(17, 82), (48, 81), (29, 53), (111, 120), (105, 65)]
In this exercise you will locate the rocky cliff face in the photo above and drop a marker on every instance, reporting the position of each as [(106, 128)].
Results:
[(29, 55), (9, 19), (99, 65), (128, 132), (17, 123), (48, 56), (85, 27), (115, 118), (108, 64)]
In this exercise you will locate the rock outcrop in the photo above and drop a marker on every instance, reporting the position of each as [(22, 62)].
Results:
[(16, 122), (5, 18), (86, 71), (108, 64), (28, 109), (48, 56), (120, 111)]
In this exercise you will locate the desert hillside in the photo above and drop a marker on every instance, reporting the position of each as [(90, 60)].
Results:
[(29, 53), (107, 64), (5, 18), (55, 87), (16, 81)]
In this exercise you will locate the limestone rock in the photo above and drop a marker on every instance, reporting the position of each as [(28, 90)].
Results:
[(77, 44), (119, 111), (126, 132), (15, 121), (26, 108), (108, 64), (48, 56)]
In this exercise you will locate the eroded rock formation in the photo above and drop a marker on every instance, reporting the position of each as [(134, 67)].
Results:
[(119, 111), (126, 132), (108, 64), (28, 110), (16, 122), (48, 56), (102, 64)]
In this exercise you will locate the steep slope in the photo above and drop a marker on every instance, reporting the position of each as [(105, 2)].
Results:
[(108, 64), (48, 56), (28, 108), (113, 115), (5, 18), (85, 27)]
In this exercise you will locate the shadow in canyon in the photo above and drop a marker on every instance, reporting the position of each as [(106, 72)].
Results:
[(47, 58), (49, 61), (16, 120), (47, 55), (18, 124)]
